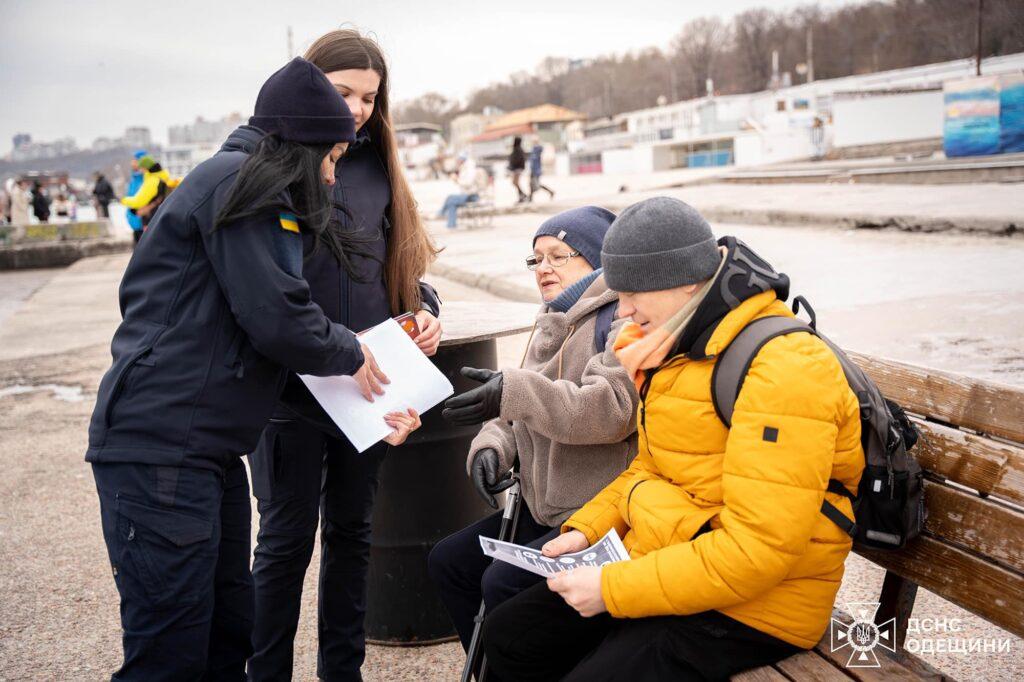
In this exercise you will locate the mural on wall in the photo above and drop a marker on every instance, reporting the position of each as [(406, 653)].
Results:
[(1011, 113), (984, 115)]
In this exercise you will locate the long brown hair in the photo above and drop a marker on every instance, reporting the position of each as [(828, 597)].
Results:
[(410, 249)]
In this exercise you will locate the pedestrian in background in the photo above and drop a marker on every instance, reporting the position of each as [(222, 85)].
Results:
[(61, 207), (20, 202), (5, 202), (305, 472), (40, 203), (134, 183), (156, 185), (536, 170), (516, 166), (102, 194), (471, 182)]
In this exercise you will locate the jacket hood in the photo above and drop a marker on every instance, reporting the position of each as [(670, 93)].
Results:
[(243, 139), (743, 276)]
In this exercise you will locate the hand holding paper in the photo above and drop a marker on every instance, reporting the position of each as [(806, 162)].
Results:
[(403, 423), (411, 379), (369, 377)]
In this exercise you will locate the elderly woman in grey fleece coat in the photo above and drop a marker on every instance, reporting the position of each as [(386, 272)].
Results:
[(567, 414)]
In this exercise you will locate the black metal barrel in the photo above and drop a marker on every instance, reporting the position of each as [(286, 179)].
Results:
[(424, 496)]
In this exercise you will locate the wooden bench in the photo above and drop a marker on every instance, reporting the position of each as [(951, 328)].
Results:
[(477, 214), (972, 550)]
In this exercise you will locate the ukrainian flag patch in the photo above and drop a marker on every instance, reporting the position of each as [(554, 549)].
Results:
[(289, 222)]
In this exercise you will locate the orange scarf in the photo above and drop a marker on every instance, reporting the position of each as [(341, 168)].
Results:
[(637, 351)]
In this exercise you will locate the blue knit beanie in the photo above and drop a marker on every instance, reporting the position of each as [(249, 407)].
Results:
[(299, 104), (582, 228)]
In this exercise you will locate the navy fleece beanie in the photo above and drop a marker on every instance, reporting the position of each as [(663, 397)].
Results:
[(299, 104), (581, 228)]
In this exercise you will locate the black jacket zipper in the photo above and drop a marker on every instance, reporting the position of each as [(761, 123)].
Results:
[(644, 389)]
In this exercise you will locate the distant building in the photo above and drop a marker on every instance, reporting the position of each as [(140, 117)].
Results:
[(420, 148), (203, 132), (547, 121), (137, 137), (873, 113), (464, 127), (180, 159), (33, 151), (21, 139), (192, 143)]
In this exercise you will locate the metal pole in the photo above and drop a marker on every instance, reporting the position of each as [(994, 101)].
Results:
[(977, 54), (509, 521), (291, 49), (810, 54)]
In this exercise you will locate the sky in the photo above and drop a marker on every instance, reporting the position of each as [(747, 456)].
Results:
[(91, 69)]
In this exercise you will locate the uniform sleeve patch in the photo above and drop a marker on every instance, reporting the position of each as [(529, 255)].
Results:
[(289, 222), (771, 434)]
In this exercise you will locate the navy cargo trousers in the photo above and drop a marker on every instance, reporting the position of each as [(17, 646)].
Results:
[(302, 478), (178, 539)]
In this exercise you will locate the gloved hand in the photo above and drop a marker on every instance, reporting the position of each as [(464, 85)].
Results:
[(479, 404), (487, 479)]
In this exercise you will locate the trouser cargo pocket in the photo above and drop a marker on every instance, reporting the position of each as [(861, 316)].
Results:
[(162, 552)]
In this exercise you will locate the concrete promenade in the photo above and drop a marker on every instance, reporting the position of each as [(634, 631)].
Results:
[(996, 208), (953, 301)]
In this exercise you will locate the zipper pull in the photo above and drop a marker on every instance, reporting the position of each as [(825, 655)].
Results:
[(239, 369)]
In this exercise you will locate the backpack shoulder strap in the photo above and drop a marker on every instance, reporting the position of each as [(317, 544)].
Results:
[(733, 364), (603, 324)]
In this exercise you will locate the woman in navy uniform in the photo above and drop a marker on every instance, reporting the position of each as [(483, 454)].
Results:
[(305, 472), (215, 313)]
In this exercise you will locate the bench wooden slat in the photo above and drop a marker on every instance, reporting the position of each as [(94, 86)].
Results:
[(763, 674), (992, 592), (991, 466), (985, 528), (811, 666), (980, 405)]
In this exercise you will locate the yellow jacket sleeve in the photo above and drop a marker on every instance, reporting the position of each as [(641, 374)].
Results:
[(147, 192), (602, 513), (778, 459)]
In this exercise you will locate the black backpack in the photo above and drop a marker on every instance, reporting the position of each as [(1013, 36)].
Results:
[(889, 505)]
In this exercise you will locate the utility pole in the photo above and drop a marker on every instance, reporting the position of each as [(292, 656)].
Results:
[(977, 53), (810, 54), (291, 49)]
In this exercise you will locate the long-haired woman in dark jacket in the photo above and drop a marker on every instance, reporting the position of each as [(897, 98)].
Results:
[(304, 469)]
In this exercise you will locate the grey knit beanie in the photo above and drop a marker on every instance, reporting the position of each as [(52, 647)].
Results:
[(656, 244)]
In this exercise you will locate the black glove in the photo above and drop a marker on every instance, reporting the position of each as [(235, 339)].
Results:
[(479, 404), (487, 479)]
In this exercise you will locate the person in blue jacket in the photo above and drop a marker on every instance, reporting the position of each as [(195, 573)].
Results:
[(305, 472), (134, 183), (215, 313)]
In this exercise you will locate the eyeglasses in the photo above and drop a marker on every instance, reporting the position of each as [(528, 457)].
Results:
[(554, 260)]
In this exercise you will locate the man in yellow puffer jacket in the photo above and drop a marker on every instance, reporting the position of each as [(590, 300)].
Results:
[(732, 564)]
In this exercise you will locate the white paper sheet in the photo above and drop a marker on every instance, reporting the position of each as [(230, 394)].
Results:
[(607, 550), (415, 383)]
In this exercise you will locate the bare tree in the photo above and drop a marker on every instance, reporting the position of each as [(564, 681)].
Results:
[(851, 38), (696, 48), (752, 31)]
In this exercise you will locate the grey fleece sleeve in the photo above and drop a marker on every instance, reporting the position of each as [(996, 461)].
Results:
[(496, 434), (601, 409)]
